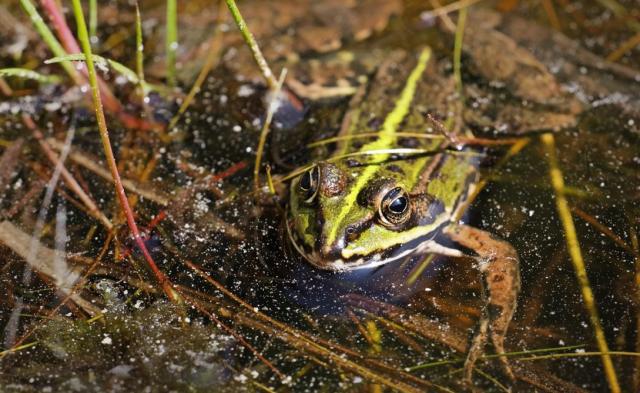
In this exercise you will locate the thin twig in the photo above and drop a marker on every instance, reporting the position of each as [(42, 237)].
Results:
[(624, 48), (272, 108), (213, 57), (550, 10), (302, 340), (604, 230), (94, 166), (68, 178), (581, 354), (458, 5), (513, 150), (236, 335), (73, 293)]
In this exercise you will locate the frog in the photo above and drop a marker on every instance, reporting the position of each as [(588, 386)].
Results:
[(394, 189)]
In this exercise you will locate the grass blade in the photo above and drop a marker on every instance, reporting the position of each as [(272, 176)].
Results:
[(93, 20), (171, 39), (573, 245), (249, 39), (139, 46), (25, 73)]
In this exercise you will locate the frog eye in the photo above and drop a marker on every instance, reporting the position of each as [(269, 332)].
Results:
[(394, 208), (308, 184)]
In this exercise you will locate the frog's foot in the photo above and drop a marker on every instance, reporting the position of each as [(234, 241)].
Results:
[(500, 273)]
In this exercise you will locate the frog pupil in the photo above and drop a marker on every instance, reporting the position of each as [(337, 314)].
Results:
[(305, 181), (398, 205)]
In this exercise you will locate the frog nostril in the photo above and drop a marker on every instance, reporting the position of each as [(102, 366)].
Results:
[(351, 233)]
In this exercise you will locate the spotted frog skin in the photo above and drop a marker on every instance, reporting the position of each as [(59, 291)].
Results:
[(387, 195)]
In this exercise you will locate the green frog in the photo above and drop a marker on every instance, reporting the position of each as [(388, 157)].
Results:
[(394, 189)]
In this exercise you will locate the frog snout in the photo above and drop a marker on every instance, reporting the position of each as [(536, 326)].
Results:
[(331, 252)]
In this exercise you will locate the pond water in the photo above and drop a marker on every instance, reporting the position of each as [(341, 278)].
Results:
[(83, 311)]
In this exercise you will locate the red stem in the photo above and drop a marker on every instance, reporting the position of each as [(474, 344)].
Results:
[(228, 172), (111, 160)]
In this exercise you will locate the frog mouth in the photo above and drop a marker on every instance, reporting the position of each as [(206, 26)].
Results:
[(340, 264), (313, 256), (426, 244)]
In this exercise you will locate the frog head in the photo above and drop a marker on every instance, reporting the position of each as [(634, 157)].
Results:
[(349, 215)]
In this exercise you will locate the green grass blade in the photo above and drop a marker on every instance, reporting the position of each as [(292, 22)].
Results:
[(93, 19), (50, 39), (101, 63), (171, 40), (25, 73), (249, 39), (139, 46)]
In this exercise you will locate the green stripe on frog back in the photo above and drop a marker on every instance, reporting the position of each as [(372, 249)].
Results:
[(386, 140)]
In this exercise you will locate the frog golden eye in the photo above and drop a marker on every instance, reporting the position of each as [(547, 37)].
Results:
[(308, 184), (394, 208)]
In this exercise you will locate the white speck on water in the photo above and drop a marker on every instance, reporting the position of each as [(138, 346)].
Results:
[(357, 379), (107, 341), (237, 128), (52, 106), (240, 378), (121, 370), (245, 91)]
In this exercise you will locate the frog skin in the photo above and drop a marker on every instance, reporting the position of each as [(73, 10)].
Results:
[(376, 201)]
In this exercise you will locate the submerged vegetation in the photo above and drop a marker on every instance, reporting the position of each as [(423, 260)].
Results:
[(146, 151)]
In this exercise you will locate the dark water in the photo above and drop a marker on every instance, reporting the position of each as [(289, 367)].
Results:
[(141, 342)]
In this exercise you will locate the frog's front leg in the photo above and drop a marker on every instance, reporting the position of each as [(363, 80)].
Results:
[(500, 278)]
